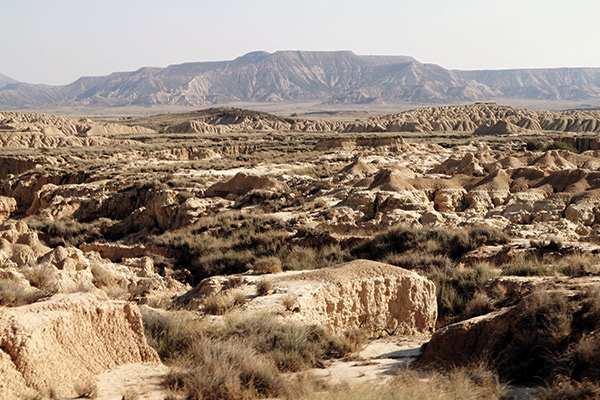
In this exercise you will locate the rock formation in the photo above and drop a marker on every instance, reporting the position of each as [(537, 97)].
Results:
[(57, 344)]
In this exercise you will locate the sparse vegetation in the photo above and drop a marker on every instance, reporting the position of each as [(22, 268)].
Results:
[(13, 294), (220, 303), (270, 265), (560, 145), (263, 287), (473, 383)]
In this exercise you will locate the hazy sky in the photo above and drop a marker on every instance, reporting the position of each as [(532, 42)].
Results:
[(57, 41)]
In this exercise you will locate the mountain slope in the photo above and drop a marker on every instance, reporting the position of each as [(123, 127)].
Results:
[(328, 77), (5, 80)]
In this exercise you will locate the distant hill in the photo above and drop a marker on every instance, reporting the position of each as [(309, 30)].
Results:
[(5, 80), (339, 77)]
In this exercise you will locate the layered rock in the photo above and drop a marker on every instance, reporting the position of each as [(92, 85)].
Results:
[(58, 344), (364, 294)]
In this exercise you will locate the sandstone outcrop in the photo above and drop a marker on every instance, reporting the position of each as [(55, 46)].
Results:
[(57, 344), (376, 297), (8, 205)]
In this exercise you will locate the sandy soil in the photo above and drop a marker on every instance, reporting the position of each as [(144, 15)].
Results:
[(141, 379)]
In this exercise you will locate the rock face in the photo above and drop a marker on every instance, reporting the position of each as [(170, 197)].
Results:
[(375, 296), (65, 341), (8, 205), (364, 294)]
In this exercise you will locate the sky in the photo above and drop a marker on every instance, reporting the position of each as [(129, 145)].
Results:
[(57, 41)]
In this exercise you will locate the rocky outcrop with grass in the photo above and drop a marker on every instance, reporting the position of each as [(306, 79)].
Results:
[(56, 347), (531, 328), (377, 298)]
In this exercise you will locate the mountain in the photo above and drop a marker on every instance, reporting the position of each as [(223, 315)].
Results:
[(5, 80), (338, 77)]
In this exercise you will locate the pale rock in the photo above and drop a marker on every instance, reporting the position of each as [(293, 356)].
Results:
[(67, 340)]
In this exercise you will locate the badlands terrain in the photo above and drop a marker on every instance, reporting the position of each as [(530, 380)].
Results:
[(445, 252)]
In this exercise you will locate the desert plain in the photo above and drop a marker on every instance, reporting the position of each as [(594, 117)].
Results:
[(441, 252)]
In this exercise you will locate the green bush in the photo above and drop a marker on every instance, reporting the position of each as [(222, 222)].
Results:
[(560, 145)]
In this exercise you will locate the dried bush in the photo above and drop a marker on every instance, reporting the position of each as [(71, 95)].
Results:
[(270, 265), (263, 287), (289, 302), (218, 304)]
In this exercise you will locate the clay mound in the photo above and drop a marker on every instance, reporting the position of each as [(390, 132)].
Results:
[(468, 165), (498, 180), (358, 167), (195, 126), (41, 141), (65, 341), (499, 128), (242, 183), (391, 180), (8, 205), (574, 181), (511, 162), (552, 160), (335, 144)]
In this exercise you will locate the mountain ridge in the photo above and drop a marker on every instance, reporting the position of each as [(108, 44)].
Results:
[(328, 77)]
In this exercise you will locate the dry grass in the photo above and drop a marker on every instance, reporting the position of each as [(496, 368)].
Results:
[(219, 304), (41, 276), (241, 359), (106, 279), (459, 384), (12, 294), (263, 287), (224, 370), (130, 394), (289, 302), (269, 265), (86, 389)]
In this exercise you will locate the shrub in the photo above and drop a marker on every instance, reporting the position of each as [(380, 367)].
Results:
[(480, 304), (455, 288), (12, 294), (417, 260), (534, 145), (218, 370), (270, 265), (292, 346), (170, 335), (86, 389), (41, 276), (67, 232), (438, 241), (263, 287), (219, 304), (560, 145), (564, 388), (289, 302), (542, 331)]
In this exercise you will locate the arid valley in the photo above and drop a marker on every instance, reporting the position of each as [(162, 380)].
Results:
[(440, 252)]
